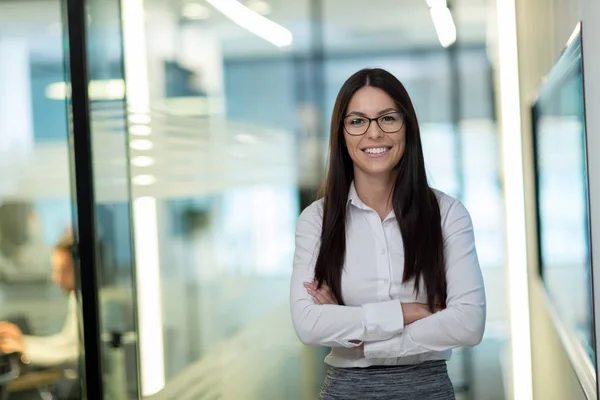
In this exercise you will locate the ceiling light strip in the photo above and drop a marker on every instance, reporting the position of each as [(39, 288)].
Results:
[(442, 22), (253, 22)]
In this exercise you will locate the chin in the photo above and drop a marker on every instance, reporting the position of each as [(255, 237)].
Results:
[(376, 170)]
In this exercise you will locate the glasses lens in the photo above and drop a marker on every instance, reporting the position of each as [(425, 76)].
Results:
[(391, 123), (355, 125)]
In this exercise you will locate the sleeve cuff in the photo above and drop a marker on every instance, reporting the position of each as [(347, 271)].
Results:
[(383, 320), (388, 349), (350, 345)]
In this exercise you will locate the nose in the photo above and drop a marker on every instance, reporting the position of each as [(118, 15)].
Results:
[(374, 131)]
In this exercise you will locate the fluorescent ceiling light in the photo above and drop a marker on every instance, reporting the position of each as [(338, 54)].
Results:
[(144, 180), (437, 3), (253, 22), (142, 161), (140, 130), (141, 144), (110, 89), (442, 22), (139, 119)]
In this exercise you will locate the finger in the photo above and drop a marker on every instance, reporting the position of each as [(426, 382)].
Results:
[(311, 285), (313, 293), (327, 297), (316, 294), (330, 297)]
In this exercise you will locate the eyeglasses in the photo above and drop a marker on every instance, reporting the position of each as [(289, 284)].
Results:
[(389, 123)]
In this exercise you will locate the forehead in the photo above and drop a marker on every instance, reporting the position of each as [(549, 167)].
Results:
[(370, 101)]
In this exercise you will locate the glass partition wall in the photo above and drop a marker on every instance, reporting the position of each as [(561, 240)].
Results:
[(37, 281), (191, 140)]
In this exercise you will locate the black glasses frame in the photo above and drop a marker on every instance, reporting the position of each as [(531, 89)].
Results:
[(376, 119)]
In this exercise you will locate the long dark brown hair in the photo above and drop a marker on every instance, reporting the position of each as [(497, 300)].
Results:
[(415, 204)]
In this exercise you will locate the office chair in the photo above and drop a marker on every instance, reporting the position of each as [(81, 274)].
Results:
[(10, 368)]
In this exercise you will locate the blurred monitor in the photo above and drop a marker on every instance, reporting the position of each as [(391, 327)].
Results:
[(560, 158)]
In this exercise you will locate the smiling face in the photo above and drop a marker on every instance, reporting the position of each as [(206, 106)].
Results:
[(376, 152)]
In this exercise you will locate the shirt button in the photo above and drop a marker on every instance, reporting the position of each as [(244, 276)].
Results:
[(383, 252)]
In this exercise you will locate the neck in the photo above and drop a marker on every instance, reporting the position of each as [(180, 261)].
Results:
[(375, 191)]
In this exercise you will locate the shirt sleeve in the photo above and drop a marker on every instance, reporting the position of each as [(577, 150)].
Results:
[(48, 351), (462, 323), (333, 325)]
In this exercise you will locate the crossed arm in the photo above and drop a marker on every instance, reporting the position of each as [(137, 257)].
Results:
[(390, 329)]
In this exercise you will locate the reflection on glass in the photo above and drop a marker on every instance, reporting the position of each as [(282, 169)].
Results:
[(214, 172), (563, 218), (112, 182)]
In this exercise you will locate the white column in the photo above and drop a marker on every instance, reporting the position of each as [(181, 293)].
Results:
[(514, 201), (149, 303), (16, 114)]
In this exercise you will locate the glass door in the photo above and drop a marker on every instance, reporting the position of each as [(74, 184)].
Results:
[(100, 163)]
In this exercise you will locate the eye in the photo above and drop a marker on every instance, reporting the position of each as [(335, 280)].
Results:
[(356, 121), (389, 118)]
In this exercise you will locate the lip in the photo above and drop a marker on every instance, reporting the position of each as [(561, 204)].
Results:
[(376, 155)]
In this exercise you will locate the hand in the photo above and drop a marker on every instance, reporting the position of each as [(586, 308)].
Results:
[(321, 295), (10, 330), (8, 344), (414, 311)]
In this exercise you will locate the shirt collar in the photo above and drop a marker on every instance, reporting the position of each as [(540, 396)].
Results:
[(358, 203), (354, 199)]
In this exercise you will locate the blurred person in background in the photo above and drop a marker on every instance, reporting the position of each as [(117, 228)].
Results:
[(63, 347), (385, 268)]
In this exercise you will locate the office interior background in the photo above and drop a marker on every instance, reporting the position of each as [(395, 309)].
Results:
[(209, 136)]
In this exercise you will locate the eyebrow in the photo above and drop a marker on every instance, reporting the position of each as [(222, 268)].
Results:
[(382, 112)]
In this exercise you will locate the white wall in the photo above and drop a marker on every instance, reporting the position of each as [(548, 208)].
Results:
[(543, 29)]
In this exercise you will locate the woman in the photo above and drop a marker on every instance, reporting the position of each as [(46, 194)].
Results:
[(385, 268)]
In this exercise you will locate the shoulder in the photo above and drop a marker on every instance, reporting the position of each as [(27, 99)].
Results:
[(452, 211), (312, 212), (311, 216)]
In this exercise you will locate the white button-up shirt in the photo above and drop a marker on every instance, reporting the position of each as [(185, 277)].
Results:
[(58, 349), (373, 291)]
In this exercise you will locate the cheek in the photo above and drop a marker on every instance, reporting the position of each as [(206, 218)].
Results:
[(352, 145), (401, 143)]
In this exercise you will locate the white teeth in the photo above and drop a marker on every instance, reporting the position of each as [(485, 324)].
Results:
[(377, 150)]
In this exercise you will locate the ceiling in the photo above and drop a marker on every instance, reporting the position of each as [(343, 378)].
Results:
[(386, 25)]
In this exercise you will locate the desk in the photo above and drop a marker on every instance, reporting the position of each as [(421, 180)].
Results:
[(35, 380)]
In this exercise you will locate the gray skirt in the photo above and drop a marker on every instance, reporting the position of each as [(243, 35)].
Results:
[(426, 381)]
